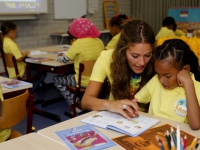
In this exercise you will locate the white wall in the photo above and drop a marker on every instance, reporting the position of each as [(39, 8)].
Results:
[(36, 33)]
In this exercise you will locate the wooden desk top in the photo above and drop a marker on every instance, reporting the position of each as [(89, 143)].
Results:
[(50, 131), (49, 49), (6, 90), (32, 141)]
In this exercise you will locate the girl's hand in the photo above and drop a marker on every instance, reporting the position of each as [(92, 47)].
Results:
[(26, 53), (59, 57), (127, 108), (183, 77)]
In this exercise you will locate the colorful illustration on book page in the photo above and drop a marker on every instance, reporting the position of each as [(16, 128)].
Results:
[(86, 140)]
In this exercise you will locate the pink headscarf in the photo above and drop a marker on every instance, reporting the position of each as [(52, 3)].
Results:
[(83, 28)]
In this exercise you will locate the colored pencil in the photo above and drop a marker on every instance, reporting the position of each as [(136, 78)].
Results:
[(174, 136), (168, 138), (185, 141), (160, 143), (193, 143), (198, 147), (178, 142), (172, 144), (182, 144)]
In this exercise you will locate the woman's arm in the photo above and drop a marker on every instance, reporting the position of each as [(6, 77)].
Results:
[(91, 102), (193, 109)]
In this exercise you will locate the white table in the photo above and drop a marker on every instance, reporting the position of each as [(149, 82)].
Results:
[(49, 132), (32, 141)]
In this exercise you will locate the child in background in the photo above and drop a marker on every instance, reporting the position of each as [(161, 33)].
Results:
[(115, 29), (167, 28), (4, 134), (8, 30), (174, 92), (85, 46)]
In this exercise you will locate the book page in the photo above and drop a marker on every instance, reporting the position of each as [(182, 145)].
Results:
[(84, 137), (14, 84), (135, 126)]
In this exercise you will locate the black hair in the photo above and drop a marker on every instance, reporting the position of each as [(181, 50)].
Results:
[(117, 20), (181, 54), (168, 21), (7, 26)]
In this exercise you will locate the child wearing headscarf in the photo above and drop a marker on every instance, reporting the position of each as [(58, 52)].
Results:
[(85, 46)]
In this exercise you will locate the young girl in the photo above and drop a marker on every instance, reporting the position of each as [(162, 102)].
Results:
[(174, 92), (9, 29), (128, 67), (85, 46), (115, 29)]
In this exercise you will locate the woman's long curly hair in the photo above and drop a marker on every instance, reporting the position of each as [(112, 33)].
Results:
[(133, 31)]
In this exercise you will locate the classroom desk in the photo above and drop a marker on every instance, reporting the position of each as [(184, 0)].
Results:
[(62, 35), (49, 132), (32, 141), (48, 66), (13, 92)]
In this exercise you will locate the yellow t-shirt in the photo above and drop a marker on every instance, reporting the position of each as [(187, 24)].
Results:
[(179, 32), (84, 49), (101, 69), (9, 46), (113, 42), (4, 134), (165, 32), (170, 104)]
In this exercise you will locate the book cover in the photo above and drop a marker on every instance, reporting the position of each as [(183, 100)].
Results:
[(117, 122), (84, 137), (13, 84), (147, 140), (38, 59)]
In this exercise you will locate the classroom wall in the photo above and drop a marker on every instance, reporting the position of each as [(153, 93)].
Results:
[(36, 33)]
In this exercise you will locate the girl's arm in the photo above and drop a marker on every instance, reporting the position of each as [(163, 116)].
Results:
[(193, 109), (24, 54), (91, 102)]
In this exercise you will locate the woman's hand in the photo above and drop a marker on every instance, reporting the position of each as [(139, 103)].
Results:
[(127, 108), (183, 77)]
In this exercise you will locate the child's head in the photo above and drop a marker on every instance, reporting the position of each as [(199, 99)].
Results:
[(169, 23), (8, 29), (171, 57), (116, 22), (83, 28), (132, 55)]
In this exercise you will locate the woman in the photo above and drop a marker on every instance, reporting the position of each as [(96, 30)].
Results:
[(85, 46), (128, 67), (115, 29)]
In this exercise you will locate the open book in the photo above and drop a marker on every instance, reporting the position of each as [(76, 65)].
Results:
[(116, 122), (84, 137), (14, 83)]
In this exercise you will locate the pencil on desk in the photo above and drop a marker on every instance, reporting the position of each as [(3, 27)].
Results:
[(159, 142), (178, 142), (168, 138), (185, 141), (198, 147), (172, 144), (174, 136), (193, 143)]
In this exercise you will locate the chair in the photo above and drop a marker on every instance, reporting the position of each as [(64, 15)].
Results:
[(14, 110), (85, 68), (10, 61)]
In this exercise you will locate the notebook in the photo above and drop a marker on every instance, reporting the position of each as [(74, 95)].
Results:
[(109, 120)]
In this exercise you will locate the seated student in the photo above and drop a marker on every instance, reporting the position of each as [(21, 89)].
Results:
[(85, 46), (9, 29), (115, 29), (167, 28), (4, 134), (178, 32), (174, 92)]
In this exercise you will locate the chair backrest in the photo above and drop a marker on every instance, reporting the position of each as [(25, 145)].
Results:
[(85, 68), (14, 110), (4, 61), (10, 61)]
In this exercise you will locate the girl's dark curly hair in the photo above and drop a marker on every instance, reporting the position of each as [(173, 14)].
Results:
[(117, 20), (181, 54), (133, 31)]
